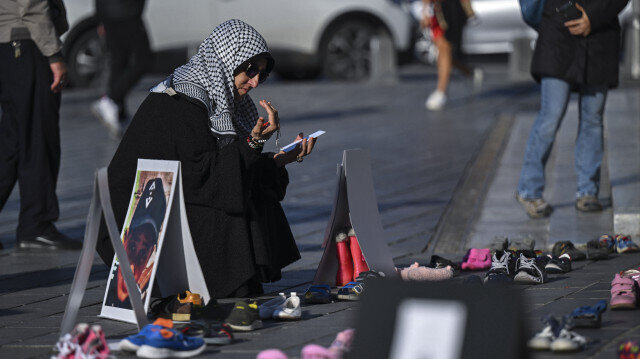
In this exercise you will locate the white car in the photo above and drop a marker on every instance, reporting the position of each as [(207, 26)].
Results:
[(305, 36)]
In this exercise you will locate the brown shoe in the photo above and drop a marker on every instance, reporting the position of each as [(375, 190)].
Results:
[(535, 207), (588, 203)]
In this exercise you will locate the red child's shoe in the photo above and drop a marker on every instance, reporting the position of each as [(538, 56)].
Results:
[(359, 263), (345, 263)]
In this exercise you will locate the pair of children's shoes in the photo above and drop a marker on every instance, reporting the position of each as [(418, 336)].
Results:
[(351, 261), (340, 346)]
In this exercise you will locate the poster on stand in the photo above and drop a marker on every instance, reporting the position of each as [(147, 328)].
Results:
[(142, 236)]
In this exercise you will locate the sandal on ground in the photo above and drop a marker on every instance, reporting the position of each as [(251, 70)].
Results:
[(623, 292), (589, 316), (318, 294), (351, 291)]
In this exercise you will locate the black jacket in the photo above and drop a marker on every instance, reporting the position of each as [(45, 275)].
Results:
[(232, 195), (591, 60), (119, 9)]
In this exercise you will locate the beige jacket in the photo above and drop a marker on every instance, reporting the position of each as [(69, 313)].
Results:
[(29, 19)]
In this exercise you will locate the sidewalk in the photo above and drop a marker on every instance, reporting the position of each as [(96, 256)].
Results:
[(419, 161)]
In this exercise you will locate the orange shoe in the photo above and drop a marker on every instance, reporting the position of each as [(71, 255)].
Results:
[(188, 297), (345, 263), (359, 263)]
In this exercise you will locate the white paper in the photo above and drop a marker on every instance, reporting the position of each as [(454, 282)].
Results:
[(293, 144), (429, 329)]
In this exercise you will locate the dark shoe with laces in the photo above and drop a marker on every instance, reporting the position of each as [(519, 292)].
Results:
[(501, 270), (49, 240), (529, 271), (562, 247), (244, 317)]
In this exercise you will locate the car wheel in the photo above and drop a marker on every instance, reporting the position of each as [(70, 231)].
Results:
[(87, 60), (347, 51)]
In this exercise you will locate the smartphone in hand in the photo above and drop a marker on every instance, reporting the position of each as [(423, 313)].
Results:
[(569, 11)]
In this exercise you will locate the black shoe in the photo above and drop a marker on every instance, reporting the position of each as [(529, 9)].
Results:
[(563, 247), (50, 240), (171, 308), (244, 317), (440, 262), (502, 268), (597, 250), (558, 265), (215, 333)]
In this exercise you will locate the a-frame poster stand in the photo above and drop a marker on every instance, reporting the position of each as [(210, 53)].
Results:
[(177, 269), (355, 205)]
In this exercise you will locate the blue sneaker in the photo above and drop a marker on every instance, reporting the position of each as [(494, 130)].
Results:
[(133, 342), (170, 343)]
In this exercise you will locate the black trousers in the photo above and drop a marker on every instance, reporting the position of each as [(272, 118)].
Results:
[(128, 45), (29, 136)]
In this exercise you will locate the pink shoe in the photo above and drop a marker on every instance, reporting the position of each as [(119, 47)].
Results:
[(272, 354), (342, 343), (477, 259), (72, 342), (624, 292), (313, 351), (95, 346)]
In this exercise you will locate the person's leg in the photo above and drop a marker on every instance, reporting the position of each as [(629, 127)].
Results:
[(117, 45), (133, 55), (589, 142), (553, 104), (444, 63), (36, 108), (8, 122)]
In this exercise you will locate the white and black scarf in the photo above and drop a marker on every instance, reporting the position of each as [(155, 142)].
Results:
[(209, 77)]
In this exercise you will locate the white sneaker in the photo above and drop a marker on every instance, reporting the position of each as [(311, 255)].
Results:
[(290, 309), (436, 101), (107, 111), (478, 78), (265, 311)]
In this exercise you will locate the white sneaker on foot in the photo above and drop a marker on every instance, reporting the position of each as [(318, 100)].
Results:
[(478, 78), (436, 101), (107, 111), (290, 309)]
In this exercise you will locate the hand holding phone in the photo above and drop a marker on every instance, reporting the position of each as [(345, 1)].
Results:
[(569, 11)]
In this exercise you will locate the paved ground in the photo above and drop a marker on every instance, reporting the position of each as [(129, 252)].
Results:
[(422, 164)]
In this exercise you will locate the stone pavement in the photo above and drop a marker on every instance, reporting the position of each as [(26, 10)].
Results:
[(423, 164)]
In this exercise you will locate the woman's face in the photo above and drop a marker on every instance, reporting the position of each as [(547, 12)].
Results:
[(244, 83)]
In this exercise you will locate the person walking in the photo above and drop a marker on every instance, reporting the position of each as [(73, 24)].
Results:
[(32, 74), (203, 116), (446, 19), (580, 55), (128, 45)]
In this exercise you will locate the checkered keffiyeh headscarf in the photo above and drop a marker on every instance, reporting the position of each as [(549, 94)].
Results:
[(208, 77)]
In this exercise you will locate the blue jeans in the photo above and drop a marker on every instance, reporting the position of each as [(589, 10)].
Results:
[(589, 144)]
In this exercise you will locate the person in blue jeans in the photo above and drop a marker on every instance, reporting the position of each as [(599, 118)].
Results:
[(574, 53)]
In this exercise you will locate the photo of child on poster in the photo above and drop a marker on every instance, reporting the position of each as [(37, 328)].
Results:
[(142, 229)]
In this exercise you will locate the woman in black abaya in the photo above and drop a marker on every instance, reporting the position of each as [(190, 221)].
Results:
[(203, 117)]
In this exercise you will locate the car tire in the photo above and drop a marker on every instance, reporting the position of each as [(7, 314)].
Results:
[(87, 60), (346, 50)]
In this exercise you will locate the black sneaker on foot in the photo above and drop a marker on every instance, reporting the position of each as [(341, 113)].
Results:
[(535, 207), (244, 317), (49, 240)]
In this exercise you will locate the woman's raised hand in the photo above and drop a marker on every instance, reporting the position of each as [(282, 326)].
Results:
[(301, 150), (263, 130)]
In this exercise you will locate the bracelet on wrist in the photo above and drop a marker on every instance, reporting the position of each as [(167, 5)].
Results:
[(255, 144)]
